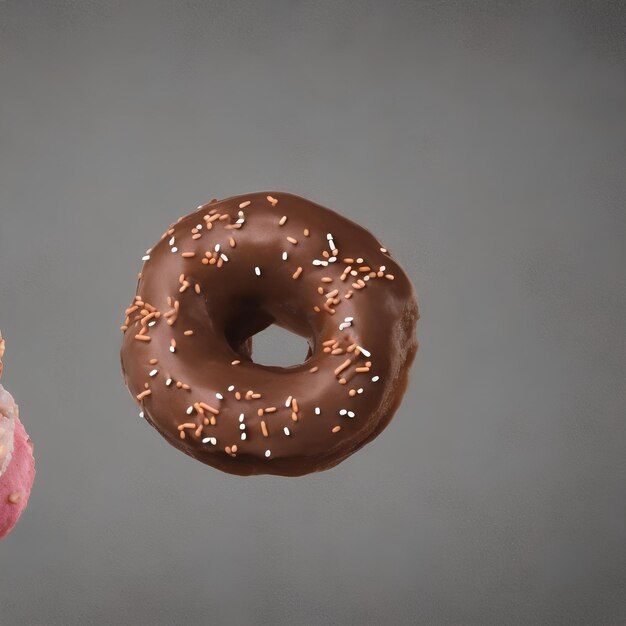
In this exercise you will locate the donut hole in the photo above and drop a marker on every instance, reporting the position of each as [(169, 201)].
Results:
[(279, 347)]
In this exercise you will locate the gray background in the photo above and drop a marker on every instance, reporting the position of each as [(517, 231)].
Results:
[(484, 143)]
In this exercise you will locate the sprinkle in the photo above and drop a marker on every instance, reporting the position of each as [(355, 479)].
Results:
[(286, 431), (264, 428), (268, 454), (172, 240), (272, 201), (270, 409), (235, 362), (188, 333), (190, 410), (219, 396), (375, 379), (331, 243), (197, 289), (342, 381), (143, 338), (350, 413), (188, 255), (257, 270), (383, 250), (153, 373), (284, 256), (352, 392), (231, 388), (243, 436), (342, 367), (318, 262), (209, 408), (314, 369), (260, 412), (363, 351), (294, 416), (336, 429), (242, 427), (359, 390), (232, 242), (224, 257), (211, 440), (145, 258), (361, 370), (317, 410), (292, 240), (343, 412), (141, 414), (14, 498), (288, 402), (241, 417), (168, 382), (243, 205), (174, 249), (297, 273), (294, 405), (306, 232), (389, 276), (144, 394), (282, 220)]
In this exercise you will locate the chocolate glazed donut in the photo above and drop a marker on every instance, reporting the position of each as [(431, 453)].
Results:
[(226, 272)]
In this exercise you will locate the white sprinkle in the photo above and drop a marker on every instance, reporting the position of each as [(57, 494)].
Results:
[(198, 226), (284, 256), (172, 241), (383, 249), (288, 401), (342, 412), (224, 257), (317, 410), (168, 382), (241, 417), (359, 260), (350, 413), (152, 323), (286, 431), (189, 410), (382, 268), (268, 453), (318, 262), (172, 349), (257, 270), (145, 258), (366, 278), (359, 390), (243, 436), (364, 351), (332, 259), (211, 440), (242, 427), (141, 414), (219, 396), (174, 249), (153, 373), (375, 378), (348, 319), (331, 243), (231, 388), (217, 247)]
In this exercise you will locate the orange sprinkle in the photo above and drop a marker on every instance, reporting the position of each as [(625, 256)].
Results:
[(264, 429), (314, 369), (260, 412), (327, 279), (362, 369), (197, 287), (270, 409), (144, 394), (235, 362), (143, 338), (389, 276), (292, 240), (306, 232), (243, 205), (282, 220), (336, 429), (272, 201), (188, 333), (294, 416), (153, 361), (329, 342), (297, 273), (209, 408), (342, 381), (232, 242), (237, 395), (337, 351), (352, 392), (188, 255)]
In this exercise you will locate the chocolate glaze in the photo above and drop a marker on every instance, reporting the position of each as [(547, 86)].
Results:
[(226, 302)]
